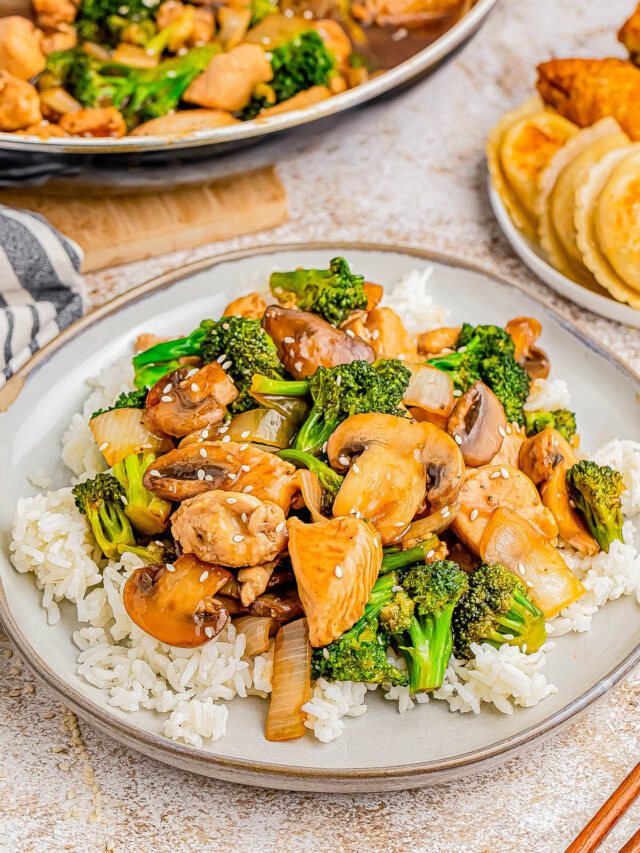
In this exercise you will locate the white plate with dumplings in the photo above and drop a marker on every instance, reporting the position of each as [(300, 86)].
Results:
[(568, 201)]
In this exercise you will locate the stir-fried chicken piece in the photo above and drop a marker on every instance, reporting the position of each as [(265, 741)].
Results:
[(189, 399), (383, 330), (254, 580), (509, 453), (20, 51), (408, 13), (198, 24), (336, 564), (99, 122), (197, 468), (42, 131), (438, 341), (252, 306), (52, 13), (585, 90), (230, 528), (183, 123), (19, 103), (230, 78), (64, 37)]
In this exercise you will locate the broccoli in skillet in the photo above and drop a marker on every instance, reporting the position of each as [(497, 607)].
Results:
[(486, 353), (561, 420), (105, 21), (246, 347), (332, 293), (148, 513), (100, 500), (342, 391), (596, 491), (495, 609)]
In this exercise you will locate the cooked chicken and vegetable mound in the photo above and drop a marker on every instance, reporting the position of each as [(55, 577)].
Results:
[(305, 493), (103, 68)]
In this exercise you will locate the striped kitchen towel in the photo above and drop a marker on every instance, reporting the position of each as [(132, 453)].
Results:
[(41, 290)]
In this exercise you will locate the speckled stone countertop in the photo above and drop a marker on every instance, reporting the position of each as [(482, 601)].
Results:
[(411, 171)]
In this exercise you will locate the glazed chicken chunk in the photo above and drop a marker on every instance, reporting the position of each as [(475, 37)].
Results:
[(99, 122), (232, 529), (229, 79), (52, 13), (19, 103), (20, 51)]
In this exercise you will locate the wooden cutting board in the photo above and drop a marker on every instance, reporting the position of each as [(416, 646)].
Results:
[(118, 229)]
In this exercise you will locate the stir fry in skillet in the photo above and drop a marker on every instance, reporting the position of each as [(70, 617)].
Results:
[(106, 68)]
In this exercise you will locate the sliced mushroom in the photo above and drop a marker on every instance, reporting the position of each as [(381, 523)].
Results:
[(478, 425), (230, 528), (199, 468), (284, 607), (525, 331), (306, 341), (541, 454), (429, 396), (437, 340), (571, 528), (176, 604), (492, 486), (336, 564), (252, 306), (399, 462), (189, 399)]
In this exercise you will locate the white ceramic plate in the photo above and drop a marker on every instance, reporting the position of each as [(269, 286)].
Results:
[(381, 750), (536, 259)]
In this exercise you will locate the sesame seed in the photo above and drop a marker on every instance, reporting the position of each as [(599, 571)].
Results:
[(167, 388), (400, 524), (208, 631), (524, 646), (191, 373), (529, 584), (226, 365), (201, 474), (280, 527), (104, 446), (325, 653), (343, 460), (166, 398), (170, 567), (324, 446), (339, 380), (244, 517), (396, 589), (289, 340), (508, 636), (508, 430), (355, 468), (445, 511), (457, 439), (195, 387), (474, 514), (245, 434), (245, 468), (224, 428), (461, 349), (203, 452), (238, 537), (495, 475), (504, 473), (226, 439), (221, 358), (208, 477), (521, 568), (430, 553), (248, 489), (549, 627), (298, 366), (338, 572), (243, 446), (155, 473), (358, 514), (457, 392), (124, 499), (203, 577), (232, 500), (502, 432), (375, 334), (205, 433)]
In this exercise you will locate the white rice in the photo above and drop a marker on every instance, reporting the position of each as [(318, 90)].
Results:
[(548, 395), (330, 702), (412, 299)]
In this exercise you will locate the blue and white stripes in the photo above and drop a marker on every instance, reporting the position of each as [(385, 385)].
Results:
[(41, 290)]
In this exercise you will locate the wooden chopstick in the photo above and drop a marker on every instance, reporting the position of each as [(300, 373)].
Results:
[(632, 845), (609, 814)]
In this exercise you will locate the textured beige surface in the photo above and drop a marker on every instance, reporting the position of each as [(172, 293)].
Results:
[(410, 171)]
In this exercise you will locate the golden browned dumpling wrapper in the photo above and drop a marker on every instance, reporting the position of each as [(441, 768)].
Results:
[(566, 173), (585, 90), (608, 224)]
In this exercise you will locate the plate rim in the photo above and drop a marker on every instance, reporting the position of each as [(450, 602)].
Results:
[(261, 772), (407, 70)]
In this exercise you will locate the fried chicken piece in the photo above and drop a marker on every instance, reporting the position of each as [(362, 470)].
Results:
[(20, 51), (99, 122), (585, 90), (629, 35), (19, 103)]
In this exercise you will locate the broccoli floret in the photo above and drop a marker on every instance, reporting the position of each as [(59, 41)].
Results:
[(104, 20), (561, 420), (360, 654), (242, 341), (496, 610), (127, 400), (435, 589), (147, 512), (596, 491), (486, 353), (396, 616), (332, 293), (330, 481), (342, 391), (100, 500), (140, 94), (158, 552)]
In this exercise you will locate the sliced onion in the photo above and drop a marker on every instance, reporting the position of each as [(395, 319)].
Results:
[(432, 524), (311, 493), (258, 630), (431, 392), (290, 682), (123, 431), (294, 408), (60, 101), (265, 426), (234, 23), (96, 51)]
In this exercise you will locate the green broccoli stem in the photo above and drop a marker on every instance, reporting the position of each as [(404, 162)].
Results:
[(151, 373), (395, 558), (146, 511), (316, 430), (431, 645), (279, 387), (329, 480), (168, 350), (379, 596)]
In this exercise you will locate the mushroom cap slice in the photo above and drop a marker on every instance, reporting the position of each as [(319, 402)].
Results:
[(478, 424), (306, 342), (570, 526), (336, 564), (399, 462), (542, 453), (485, 489), (177, 607), (524, 332)]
